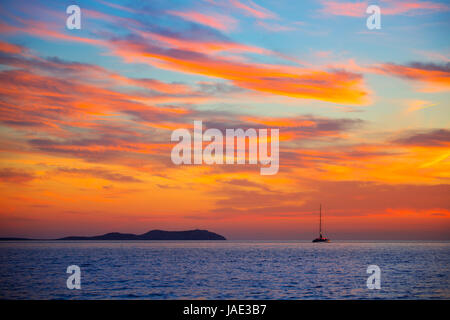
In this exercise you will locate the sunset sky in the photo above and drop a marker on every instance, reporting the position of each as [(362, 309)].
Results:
[(86, 117)]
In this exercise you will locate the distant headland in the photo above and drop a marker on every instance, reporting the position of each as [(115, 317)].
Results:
[(151, 235)]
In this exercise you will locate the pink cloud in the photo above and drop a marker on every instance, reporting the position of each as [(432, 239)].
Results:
[(254, 10), (216, 21), (351, 9), (388, 7), (408, 7)]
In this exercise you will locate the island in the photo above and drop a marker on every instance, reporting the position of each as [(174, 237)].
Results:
[(151, 235)]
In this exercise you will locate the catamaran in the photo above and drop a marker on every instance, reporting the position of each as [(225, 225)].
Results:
[(321, 238)]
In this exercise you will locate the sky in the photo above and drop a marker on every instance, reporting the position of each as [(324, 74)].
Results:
[(86, 117)]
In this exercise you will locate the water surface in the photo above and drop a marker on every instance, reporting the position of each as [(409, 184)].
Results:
[(224, 270)]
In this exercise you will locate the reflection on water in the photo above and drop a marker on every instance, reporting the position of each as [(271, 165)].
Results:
[(224, 270)]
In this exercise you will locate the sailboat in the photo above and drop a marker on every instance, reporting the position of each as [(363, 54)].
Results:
[(321, 238)]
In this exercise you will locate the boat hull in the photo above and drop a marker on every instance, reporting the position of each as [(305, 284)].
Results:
[(321, 240)]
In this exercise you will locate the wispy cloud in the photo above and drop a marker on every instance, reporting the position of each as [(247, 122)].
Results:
[(388, 7), (251, 8), (414, 105), (213, 20), (275, 27), (434, 77), (12, 175), (427, 138), (98, 173)]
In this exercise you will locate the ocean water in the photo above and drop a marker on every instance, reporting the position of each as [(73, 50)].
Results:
[(224, 270)]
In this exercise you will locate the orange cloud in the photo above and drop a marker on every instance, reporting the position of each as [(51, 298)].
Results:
[(435, 77), (334, 86), (10, 48)]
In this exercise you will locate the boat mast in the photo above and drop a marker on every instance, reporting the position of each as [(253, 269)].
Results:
[(320, 221)]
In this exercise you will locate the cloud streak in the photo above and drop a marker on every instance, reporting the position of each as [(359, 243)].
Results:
[(388, 7), (434, 77)]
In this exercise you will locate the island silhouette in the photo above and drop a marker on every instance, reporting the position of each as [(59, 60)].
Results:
[(151, 235)]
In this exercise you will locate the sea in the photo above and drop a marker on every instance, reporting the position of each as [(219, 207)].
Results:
[(225, 270)]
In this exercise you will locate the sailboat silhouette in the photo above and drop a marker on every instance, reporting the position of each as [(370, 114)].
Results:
[(321, 238)]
